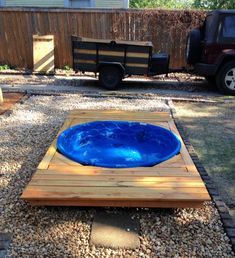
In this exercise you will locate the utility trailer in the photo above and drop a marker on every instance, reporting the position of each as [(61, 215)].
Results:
[(115, 60), (210, 52)]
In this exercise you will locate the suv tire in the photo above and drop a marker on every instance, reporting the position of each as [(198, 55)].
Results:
[(193, 47), (225, 79), (211, 82), (110, 77)]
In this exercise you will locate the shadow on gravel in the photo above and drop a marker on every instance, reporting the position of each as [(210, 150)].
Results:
[(131, 84)]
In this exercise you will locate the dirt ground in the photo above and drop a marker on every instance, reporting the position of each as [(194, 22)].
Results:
[(210, 128)]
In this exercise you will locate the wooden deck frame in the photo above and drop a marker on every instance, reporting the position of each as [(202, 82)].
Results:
[(59, 181)]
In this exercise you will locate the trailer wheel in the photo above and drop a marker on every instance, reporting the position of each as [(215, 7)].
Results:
[(110, 77)]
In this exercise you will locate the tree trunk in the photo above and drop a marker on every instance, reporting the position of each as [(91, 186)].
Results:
[(1, 96)]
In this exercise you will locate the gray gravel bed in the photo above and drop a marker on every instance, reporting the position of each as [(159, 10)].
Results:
[(181, 85), (25, 136)]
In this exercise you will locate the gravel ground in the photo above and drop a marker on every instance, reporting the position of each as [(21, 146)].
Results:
[(182, 83), (26, 134), (178, 86)]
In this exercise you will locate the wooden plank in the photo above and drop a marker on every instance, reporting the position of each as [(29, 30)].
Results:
[(91, 172), (52, 149), (120, 112), (76, 121), (137, 114), (9, 100), (60, 176), (115, 193), (140, 182), (81, 120), (83, 170), (185, 155), (111, 53), (118, 118)]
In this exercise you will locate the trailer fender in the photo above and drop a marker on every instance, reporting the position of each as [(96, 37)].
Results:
[(119, 65)]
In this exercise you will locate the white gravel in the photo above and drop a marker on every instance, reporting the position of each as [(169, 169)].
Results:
[(64, 232)]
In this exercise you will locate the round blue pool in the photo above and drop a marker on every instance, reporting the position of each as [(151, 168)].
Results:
[(118, 144)]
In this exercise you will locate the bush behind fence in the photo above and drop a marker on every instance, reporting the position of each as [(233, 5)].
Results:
[(167, 30)]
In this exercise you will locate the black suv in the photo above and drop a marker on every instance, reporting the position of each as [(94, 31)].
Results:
[(211, 50)]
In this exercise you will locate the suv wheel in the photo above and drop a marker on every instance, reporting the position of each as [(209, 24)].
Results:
[(193, 47), (225, 79), (110, 77)]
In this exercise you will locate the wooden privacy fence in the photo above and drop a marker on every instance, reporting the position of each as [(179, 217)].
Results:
[(166, 29)]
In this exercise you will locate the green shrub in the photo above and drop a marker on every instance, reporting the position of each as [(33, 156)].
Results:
[(67, 68), (4, 67)]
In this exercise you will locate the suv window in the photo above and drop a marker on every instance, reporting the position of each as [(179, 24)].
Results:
[(228, 29)]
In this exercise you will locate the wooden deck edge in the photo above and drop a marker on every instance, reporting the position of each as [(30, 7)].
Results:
[(78, 111), (118, 203), (185, 154), (53, 148)]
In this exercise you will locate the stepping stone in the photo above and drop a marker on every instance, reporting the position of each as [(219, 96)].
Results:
[(115, 231), (4, 244)]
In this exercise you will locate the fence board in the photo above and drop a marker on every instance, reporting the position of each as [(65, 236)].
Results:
[(166, 29)]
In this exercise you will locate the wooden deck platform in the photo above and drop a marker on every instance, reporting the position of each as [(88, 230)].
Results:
[(59, 181), (10, 99)]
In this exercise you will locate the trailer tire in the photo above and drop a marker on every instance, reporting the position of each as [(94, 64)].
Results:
[(193, 47), (110, 77)]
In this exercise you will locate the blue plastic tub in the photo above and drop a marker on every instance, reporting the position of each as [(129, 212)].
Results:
[(118, 144)]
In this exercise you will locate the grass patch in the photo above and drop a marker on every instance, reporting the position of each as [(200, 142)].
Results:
[(210, 129)]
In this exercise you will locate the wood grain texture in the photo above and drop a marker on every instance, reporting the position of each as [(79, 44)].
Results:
[(9, 100), (115, 193), (61, 181)]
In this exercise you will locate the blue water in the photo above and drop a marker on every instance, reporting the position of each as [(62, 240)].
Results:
[(118, 144)]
